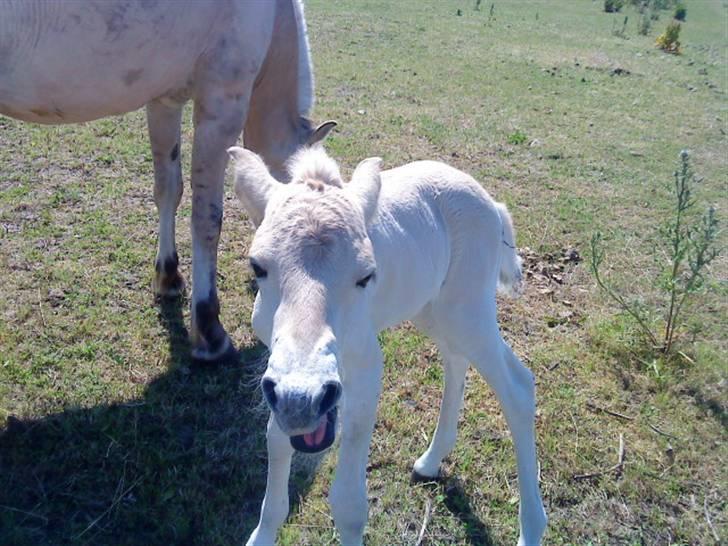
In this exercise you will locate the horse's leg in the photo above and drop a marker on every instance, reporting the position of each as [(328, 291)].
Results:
[(443, 441), (473, 330), (164, 124), (348, 497), (218, 120), (275, 503)]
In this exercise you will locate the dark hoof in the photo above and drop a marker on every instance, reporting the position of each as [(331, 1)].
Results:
[(416, 478), (168, 286), (228, 354)]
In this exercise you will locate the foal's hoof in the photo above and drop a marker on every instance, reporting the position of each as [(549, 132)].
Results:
[(416, 477), (168, 286), (227, 353)]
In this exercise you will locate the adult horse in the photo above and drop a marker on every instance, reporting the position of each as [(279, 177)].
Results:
[(244, 64)]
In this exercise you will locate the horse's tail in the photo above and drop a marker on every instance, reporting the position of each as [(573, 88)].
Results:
[(509, 278)]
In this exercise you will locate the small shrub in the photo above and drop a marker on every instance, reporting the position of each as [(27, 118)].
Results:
[(613, 6), (680, 12), (688, 246), (645, 25), (668, 40), (518, 137)]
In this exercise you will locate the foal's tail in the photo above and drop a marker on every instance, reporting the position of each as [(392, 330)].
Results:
[(509, 279)]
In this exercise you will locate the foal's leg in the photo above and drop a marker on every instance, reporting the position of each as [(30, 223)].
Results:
[(479, 337), (362, 382), (443, 441), (275, 504), (218, 119), (164, 135)]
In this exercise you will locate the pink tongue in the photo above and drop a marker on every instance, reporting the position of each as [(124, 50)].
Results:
[(314, 438)]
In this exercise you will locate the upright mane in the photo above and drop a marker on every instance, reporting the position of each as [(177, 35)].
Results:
[(313, 165)]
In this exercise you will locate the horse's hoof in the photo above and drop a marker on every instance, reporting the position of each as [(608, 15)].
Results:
[(168, 286), (227, 353)]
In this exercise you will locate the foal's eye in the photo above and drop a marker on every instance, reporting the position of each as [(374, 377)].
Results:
[(361, 283), (258, 271)]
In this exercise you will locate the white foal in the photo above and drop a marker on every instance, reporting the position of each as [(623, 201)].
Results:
[(336, 263)]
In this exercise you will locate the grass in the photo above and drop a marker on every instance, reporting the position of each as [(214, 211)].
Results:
[(110, 436)]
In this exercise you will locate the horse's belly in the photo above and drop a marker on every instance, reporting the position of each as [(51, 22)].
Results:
[(63, 62)]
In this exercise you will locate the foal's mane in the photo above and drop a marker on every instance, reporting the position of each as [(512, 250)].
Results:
[(313, 166)]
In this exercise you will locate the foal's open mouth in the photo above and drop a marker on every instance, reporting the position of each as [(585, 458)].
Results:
[(319, 439)]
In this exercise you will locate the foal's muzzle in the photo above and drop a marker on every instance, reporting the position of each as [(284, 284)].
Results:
[(307, 414)]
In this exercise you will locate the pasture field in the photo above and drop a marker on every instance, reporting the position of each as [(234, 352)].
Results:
[(108, 434)]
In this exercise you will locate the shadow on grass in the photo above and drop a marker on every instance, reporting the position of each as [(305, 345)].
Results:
[(457, 501), (183, 465)]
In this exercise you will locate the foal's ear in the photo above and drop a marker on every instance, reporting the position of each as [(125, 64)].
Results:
[(321, 132), (365, 184), (253, 183)]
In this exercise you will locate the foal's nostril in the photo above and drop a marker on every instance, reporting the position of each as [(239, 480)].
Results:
[(269, 391), (331, 395)]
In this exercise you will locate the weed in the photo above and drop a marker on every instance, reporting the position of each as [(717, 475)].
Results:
[(613, 6), (689, 245), (518, 137), (644, 25), (620, 32), (664, 4), (680, 12), (668, 40)]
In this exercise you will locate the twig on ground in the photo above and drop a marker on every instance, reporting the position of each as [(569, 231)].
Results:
[(113, 504), (425, 521), (620, 463), (617, 467), (598, 409), (31, 514), (658, 431), (40, 307), (710, 523)]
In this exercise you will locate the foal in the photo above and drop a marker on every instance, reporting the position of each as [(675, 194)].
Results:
[(337, 263)]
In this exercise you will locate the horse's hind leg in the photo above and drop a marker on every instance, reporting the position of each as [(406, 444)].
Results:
[(443, 441), (164, 134), (473, 331)]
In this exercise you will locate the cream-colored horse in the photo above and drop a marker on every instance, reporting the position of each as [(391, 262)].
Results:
[(336, 263), (241, 62)]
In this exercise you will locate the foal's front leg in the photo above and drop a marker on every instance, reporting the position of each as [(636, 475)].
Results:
[(362, 382), (275, 503)]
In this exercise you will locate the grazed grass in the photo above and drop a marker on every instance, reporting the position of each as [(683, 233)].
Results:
[(111, 437)]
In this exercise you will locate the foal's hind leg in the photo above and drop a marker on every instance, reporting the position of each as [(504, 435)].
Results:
[(443, 441), (477, 335), (164, 134)]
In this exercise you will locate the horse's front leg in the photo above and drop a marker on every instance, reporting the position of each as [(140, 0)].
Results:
[(362, 381), (218, 119), (275, 504)]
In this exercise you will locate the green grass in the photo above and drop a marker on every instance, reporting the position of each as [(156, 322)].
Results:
[(110, 436)]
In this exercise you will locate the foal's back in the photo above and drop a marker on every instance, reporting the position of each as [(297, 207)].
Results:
[(435, 225)]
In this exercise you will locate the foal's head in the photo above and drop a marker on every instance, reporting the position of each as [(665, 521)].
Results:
[(315, 269)]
